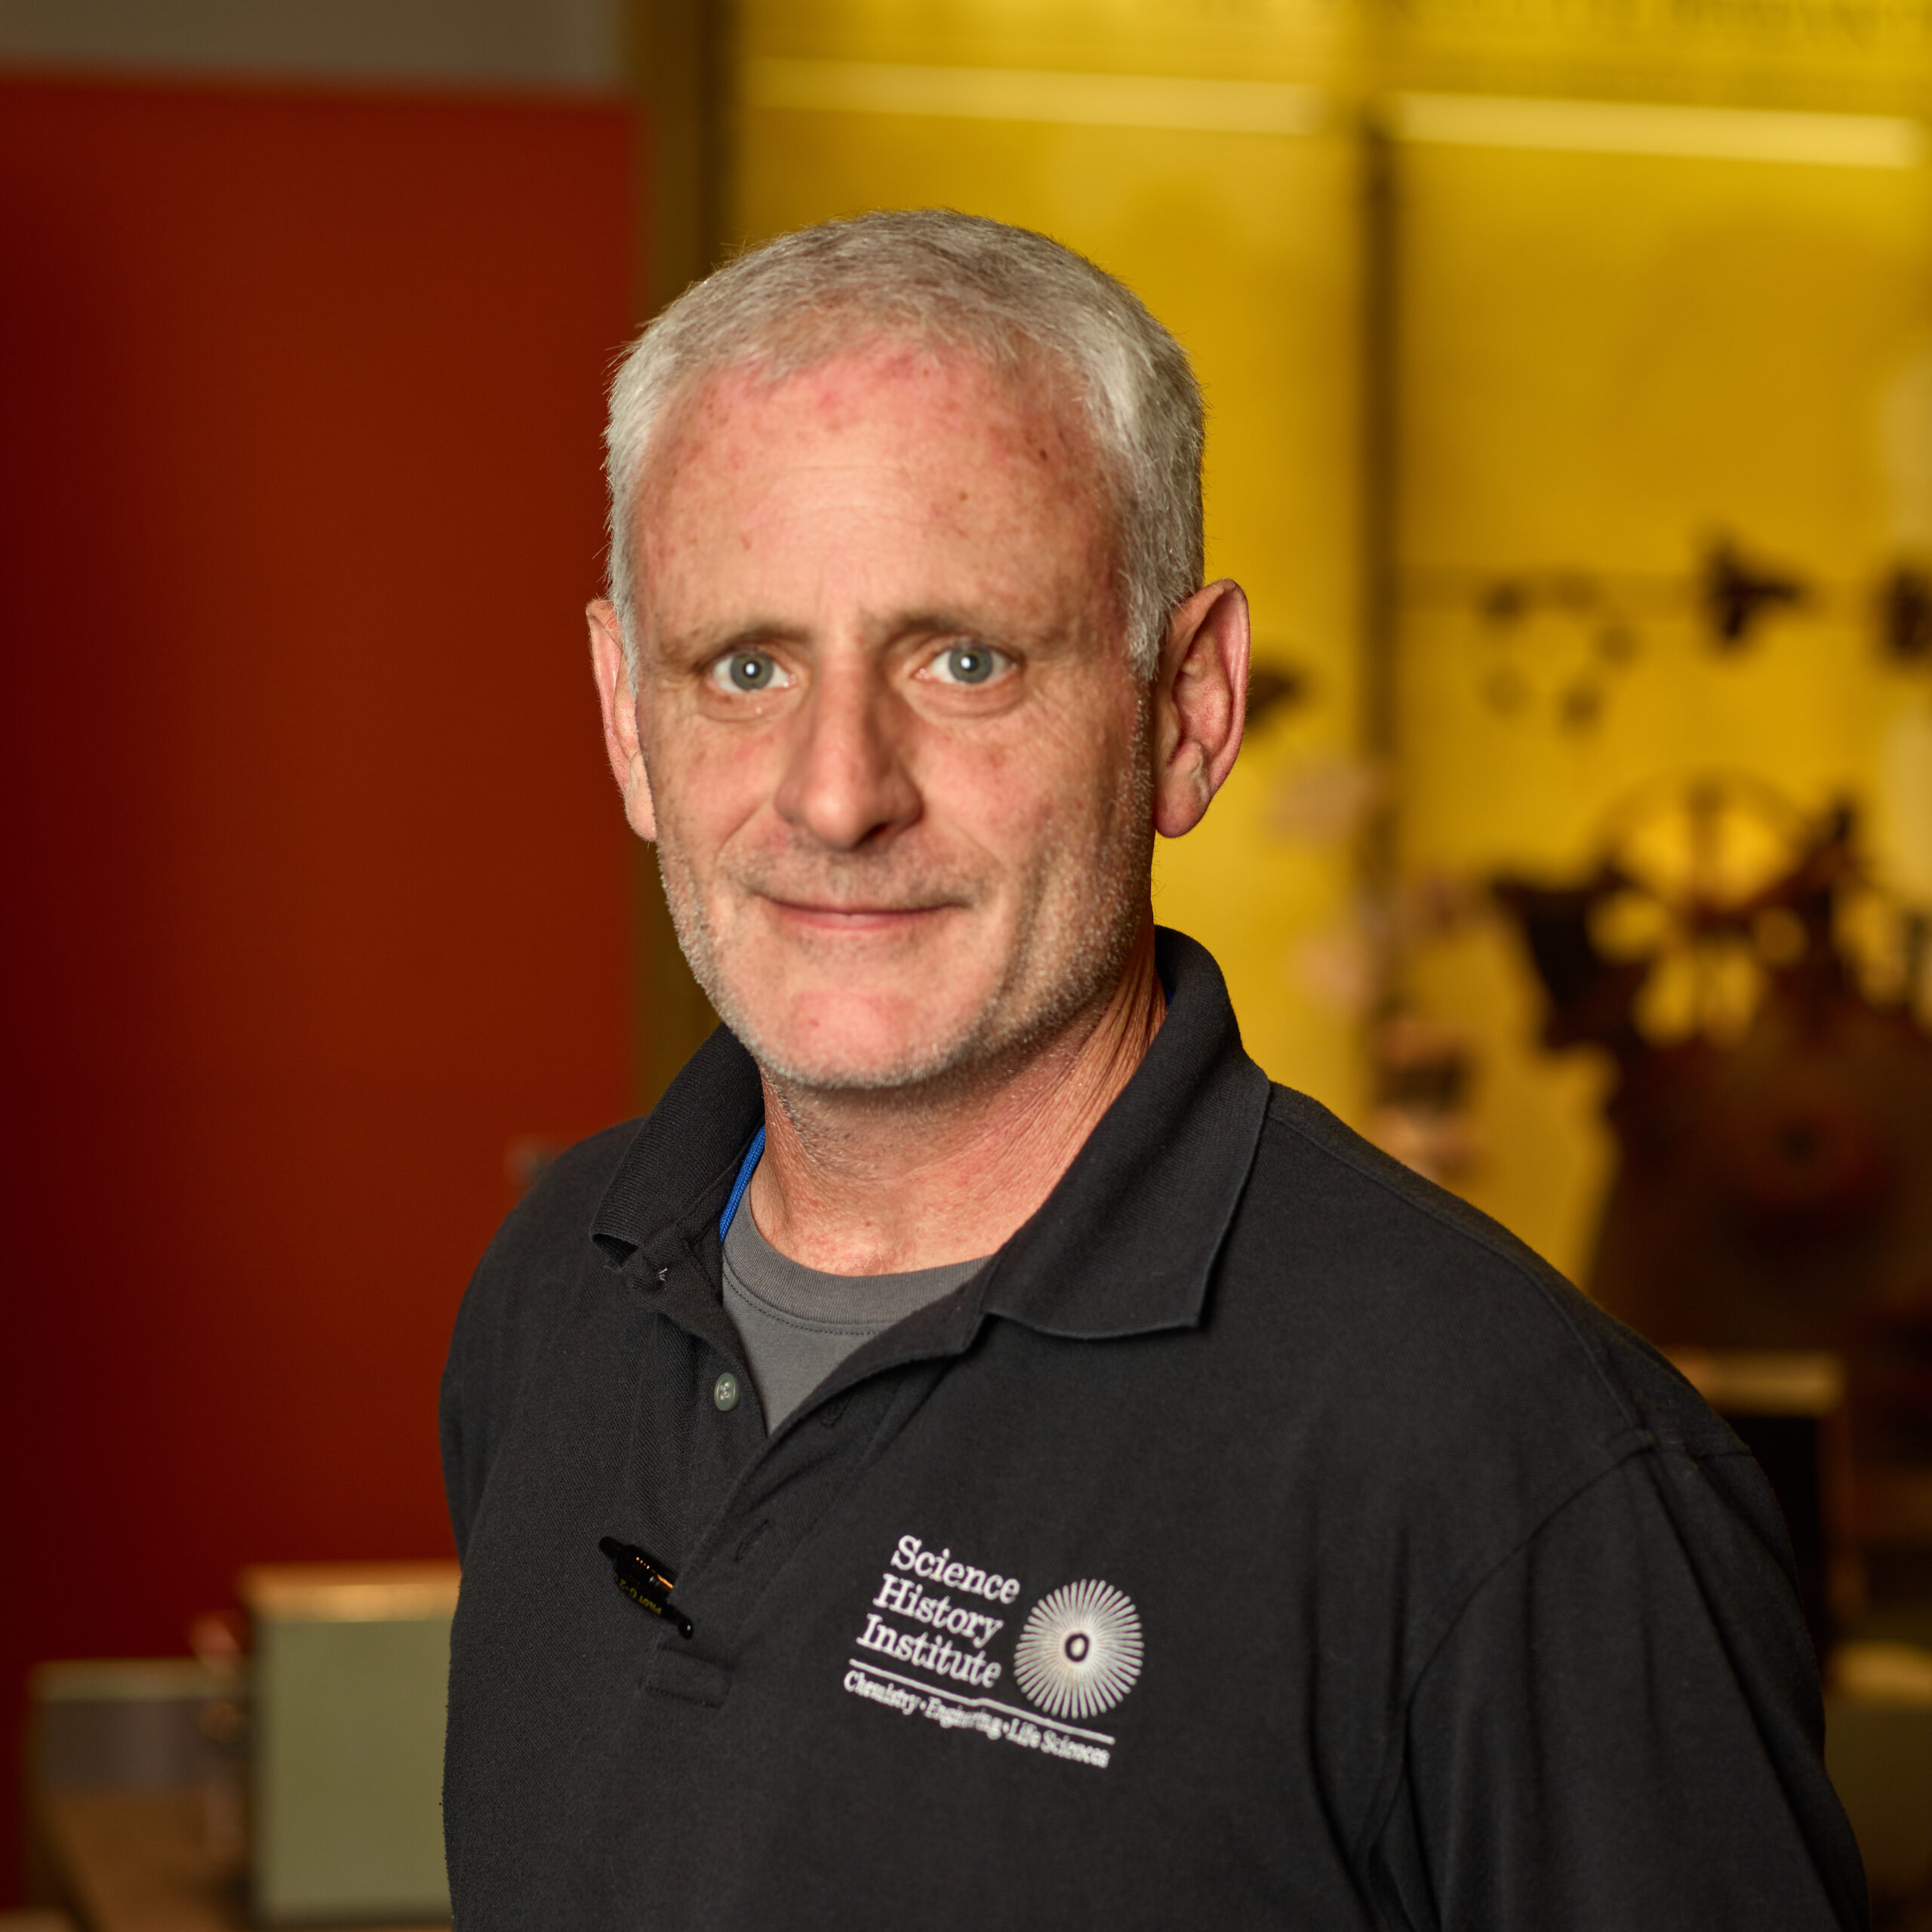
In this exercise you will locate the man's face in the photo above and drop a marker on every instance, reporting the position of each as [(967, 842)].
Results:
[(896, 759)]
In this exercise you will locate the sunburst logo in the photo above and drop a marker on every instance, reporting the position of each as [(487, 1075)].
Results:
[(1080, 1651)]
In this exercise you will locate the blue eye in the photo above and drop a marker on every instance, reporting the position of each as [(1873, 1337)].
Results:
[(747, 670), (968, 663)]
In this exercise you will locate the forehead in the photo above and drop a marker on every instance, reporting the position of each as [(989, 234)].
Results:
[(893, 453), (955, 392)]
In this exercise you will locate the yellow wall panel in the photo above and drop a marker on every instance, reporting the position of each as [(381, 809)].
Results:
[(1235, 38), (1606, 360)]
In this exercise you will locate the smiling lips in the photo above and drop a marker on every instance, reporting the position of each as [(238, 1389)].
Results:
[(855, 918)]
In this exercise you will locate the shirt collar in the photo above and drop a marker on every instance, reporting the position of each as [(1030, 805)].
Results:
[(1124, 1244)]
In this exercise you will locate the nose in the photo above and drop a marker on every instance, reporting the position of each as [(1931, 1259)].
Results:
[(846, 784)]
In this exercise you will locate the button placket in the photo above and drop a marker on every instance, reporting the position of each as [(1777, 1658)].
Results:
[(775, 1509), (784, 1485)]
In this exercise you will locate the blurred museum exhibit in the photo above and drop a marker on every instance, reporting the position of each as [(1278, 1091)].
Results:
[(1569, 369)]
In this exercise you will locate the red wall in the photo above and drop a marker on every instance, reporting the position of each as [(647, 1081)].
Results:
[(314, 887)]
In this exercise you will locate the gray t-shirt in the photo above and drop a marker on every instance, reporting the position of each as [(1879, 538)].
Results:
[(798, 1324)]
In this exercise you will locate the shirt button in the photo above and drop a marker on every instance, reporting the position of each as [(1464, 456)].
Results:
[(724, 1391)]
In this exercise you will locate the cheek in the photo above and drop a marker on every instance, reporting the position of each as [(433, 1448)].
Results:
[(1050, 798), (705, 783), (1097, 745)]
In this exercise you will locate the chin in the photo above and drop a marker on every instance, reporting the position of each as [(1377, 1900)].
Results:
[(860, 1052)]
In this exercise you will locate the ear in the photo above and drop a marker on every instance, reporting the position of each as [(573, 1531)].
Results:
[(1200, 704), (617, 696)]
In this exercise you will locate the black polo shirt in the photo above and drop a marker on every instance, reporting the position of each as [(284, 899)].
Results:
[(1262, 1538)]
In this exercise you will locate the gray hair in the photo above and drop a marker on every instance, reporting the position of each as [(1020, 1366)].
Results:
[(956, 282)]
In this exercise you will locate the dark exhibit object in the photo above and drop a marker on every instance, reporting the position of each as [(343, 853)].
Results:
[(1729, 595), (1737, 595), (1904, 615), (1761, 1001), (1274, 688)]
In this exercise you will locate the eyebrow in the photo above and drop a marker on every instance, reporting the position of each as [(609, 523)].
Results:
[(757, 631), (740, 637)]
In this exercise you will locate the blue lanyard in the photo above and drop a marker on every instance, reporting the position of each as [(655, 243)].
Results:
[(746, 1169)]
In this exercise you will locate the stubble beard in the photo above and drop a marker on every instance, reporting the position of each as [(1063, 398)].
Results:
[(1074, 936)]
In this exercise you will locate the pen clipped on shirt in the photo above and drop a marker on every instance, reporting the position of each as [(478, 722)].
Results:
[(645, 1580)]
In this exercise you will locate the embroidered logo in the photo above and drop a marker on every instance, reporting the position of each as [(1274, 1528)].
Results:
[(1080, 1650), (936, 1616)]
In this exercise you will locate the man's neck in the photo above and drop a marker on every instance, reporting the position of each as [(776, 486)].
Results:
[(882, 1184)]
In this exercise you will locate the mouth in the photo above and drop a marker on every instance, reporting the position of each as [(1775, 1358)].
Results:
[(812, 916)]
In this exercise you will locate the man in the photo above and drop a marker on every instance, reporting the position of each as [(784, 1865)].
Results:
[(977, 1455)]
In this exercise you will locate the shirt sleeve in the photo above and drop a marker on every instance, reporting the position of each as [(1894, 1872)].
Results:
[(501, 1322), (1622, 1729), (495, 1329), (462, 1477), (522, 1286)]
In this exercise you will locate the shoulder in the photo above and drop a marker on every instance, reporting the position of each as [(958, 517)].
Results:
[(527, 1278), (540, 1252), (1554, 1515), (552, 1223), (1446, 1345)]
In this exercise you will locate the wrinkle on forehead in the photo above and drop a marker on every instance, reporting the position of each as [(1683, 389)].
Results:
[(1030, 413)]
